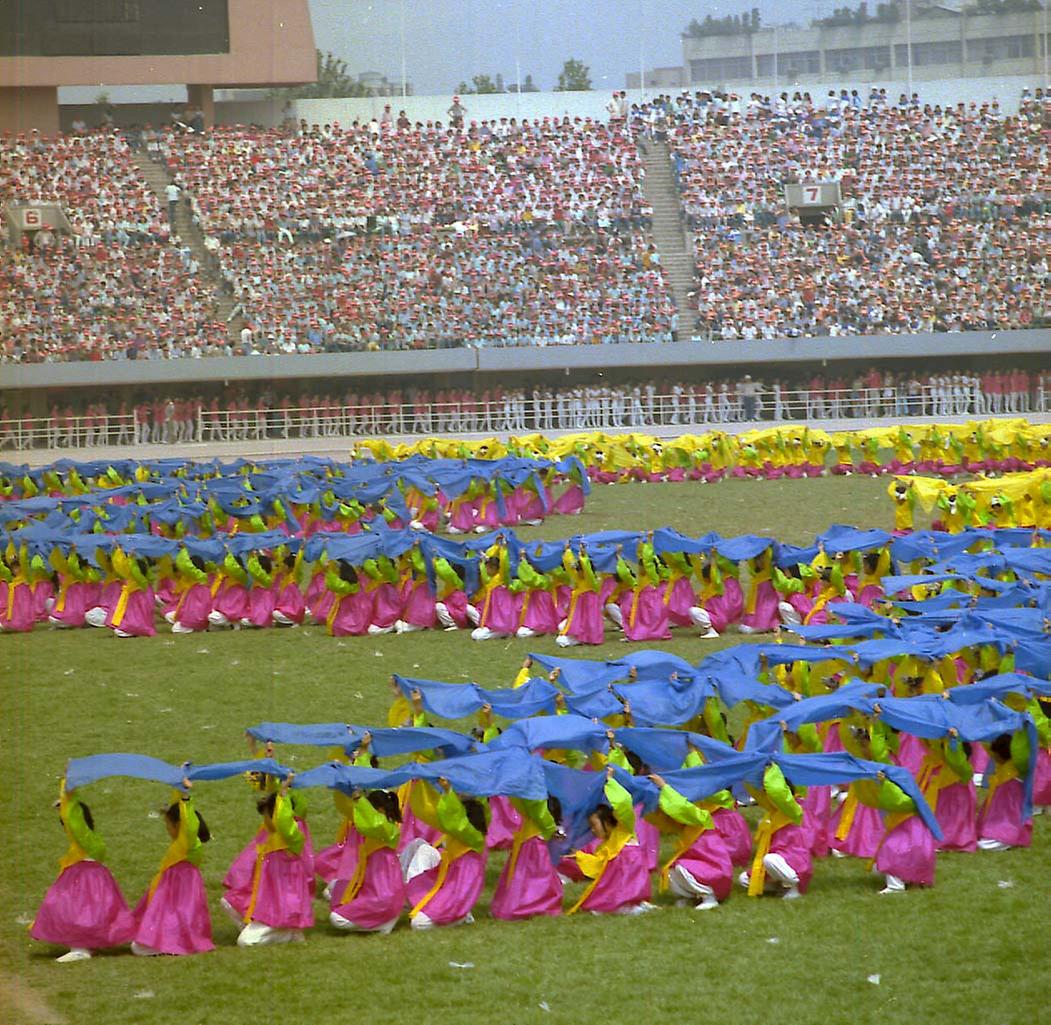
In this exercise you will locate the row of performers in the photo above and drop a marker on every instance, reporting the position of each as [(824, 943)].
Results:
[(946, 450), (645, 596), (1014, 500), (423, 849), (119, 506)]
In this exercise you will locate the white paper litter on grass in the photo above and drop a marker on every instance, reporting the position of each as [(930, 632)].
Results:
[(543, 1005), (202, 651), (1005, 884), (24, 919), (143, 994), (69, 672), (461, 964), (874, 979), (773, 939)]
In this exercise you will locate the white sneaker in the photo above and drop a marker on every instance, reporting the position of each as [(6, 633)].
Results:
[(711, 633), (792, 893), (76, 954)]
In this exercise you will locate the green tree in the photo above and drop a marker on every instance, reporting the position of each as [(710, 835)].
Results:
[(528, 86), (575, 77), (333, 80), (480, 86)]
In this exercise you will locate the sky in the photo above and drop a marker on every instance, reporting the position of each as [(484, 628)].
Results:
[(449, 41)]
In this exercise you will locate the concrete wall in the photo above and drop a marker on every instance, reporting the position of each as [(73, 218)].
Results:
[(22, 110), (433, 108), (585, 104), (998, 344), (271, 41)]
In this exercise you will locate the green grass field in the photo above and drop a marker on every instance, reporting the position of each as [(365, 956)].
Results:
[(972, 950)]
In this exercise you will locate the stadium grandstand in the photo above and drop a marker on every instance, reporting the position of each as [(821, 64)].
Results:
[(594, 506), (653, 243)]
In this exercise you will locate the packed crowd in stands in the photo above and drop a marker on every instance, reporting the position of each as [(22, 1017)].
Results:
[(945, 214), (354, 238), (237, 416), (388, 234), (120, 285)]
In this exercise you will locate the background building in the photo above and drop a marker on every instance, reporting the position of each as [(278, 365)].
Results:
[(201, 43), (948, 42)]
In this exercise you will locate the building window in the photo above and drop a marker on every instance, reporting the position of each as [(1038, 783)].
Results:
[(790, 64), (94, 12), (944, 51), (855, 58), (720, 69), (1000, 48)]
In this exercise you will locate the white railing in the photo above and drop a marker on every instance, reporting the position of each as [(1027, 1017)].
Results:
[(73, 432), (563, 411)]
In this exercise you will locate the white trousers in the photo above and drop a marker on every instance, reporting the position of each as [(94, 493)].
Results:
[(682, 883), (346, 925)]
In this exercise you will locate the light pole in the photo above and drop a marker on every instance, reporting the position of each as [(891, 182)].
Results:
[(1047, 47), (642, 50), (518, 64), (777, 54), (401, 28), (908, 44)]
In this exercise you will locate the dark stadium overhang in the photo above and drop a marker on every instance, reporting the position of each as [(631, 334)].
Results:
[(271, 43), (720, 356)]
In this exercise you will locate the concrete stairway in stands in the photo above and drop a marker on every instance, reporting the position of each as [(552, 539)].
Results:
[(669, 233), (158, 179)]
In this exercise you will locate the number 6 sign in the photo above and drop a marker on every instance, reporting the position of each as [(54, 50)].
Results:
[(31, 219)]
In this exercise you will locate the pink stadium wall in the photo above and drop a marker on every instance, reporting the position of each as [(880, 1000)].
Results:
[(271, 43)]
